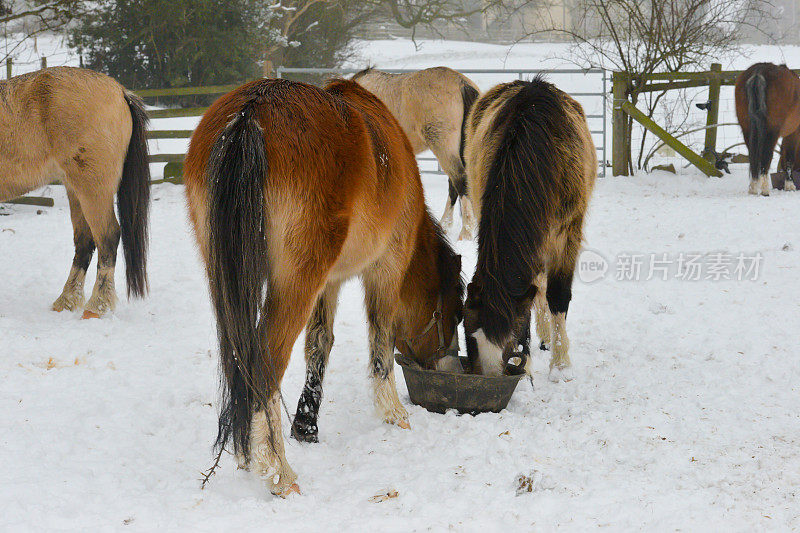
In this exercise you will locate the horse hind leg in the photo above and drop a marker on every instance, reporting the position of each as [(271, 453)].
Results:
[(542, 313), (98, 208), (288, 308), (72, 297), (319, 341), (446, 150), (559, 294), (452, 197)]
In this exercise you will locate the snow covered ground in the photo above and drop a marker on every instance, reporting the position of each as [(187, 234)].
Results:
[(685, 413)]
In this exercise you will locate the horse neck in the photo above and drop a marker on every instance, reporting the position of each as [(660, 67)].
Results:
[(421, 286)]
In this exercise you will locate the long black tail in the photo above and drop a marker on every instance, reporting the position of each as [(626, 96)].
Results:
[(133, 201), (238, 270), (761, 143), (520, 197), (469, 95)]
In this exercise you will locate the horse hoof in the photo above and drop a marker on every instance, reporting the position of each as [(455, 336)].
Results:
[(301, 435), (561, 374), (89, 314), (287, 491)]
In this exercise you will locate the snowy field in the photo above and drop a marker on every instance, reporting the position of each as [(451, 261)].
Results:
[(685, 412)]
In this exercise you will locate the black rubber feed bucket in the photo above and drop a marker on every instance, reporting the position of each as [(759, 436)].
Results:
[(467, 393)]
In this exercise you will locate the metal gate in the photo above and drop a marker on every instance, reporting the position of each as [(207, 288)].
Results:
[(586, 86)]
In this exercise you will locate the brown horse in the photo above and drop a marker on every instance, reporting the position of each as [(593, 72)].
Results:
[(432, 107), (85, 129), (768, 108), (531, 168), (293, 189)]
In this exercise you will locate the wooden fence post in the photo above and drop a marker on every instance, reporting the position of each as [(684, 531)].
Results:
[(710, 147), (43, 62), (619, 159), (707, 168), (8, 68)]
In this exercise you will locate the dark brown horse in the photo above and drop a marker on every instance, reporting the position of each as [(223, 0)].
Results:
[(85, 129), (293, 189), (531, 167), (768, 108)]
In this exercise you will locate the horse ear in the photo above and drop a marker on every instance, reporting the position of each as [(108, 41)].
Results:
[(473, 295)]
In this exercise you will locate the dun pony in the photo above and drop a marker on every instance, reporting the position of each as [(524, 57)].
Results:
[(432, 106), (292, 190), (768, 108), (85, 129), (531, 168)]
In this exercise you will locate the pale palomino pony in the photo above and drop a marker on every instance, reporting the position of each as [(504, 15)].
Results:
[(531, 165), (85, 129), (432, 106)]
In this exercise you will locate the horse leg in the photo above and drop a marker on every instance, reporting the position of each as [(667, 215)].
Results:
[(72, 297), (559, 293), (381, 299), (452, 197), (319, 341), (288, 307), (542, 314), (446, 149), (98, 209)]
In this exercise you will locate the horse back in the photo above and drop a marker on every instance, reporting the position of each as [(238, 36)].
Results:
[(782, 97), (546, 132), (60, 122), (337, 158)]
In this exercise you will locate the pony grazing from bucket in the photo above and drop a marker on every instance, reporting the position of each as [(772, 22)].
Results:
[(531, 168), (767, 108), (292, 190), (84, 129), (432, 107)]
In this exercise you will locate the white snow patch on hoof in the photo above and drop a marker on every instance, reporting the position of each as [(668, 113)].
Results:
[(561, 374)]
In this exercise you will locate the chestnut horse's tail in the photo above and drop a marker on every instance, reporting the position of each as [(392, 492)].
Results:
[(133, 200), (238, 269), (759, 143)]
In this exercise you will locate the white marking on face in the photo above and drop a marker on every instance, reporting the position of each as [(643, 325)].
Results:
[(489, 354)]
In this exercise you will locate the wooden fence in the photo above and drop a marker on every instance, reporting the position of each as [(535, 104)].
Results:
[(173, 170), (623, 107)]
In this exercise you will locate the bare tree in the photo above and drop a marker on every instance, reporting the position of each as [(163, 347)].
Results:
[(285, 19), (641, 37), (25, 19)]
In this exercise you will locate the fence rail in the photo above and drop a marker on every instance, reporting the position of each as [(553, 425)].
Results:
[(174, 161), (714, 79)]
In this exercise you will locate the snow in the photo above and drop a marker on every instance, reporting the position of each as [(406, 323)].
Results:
[(684, 412)]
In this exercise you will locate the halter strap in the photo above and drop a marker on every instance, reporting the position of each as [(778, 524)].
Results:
[(436, 319)]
